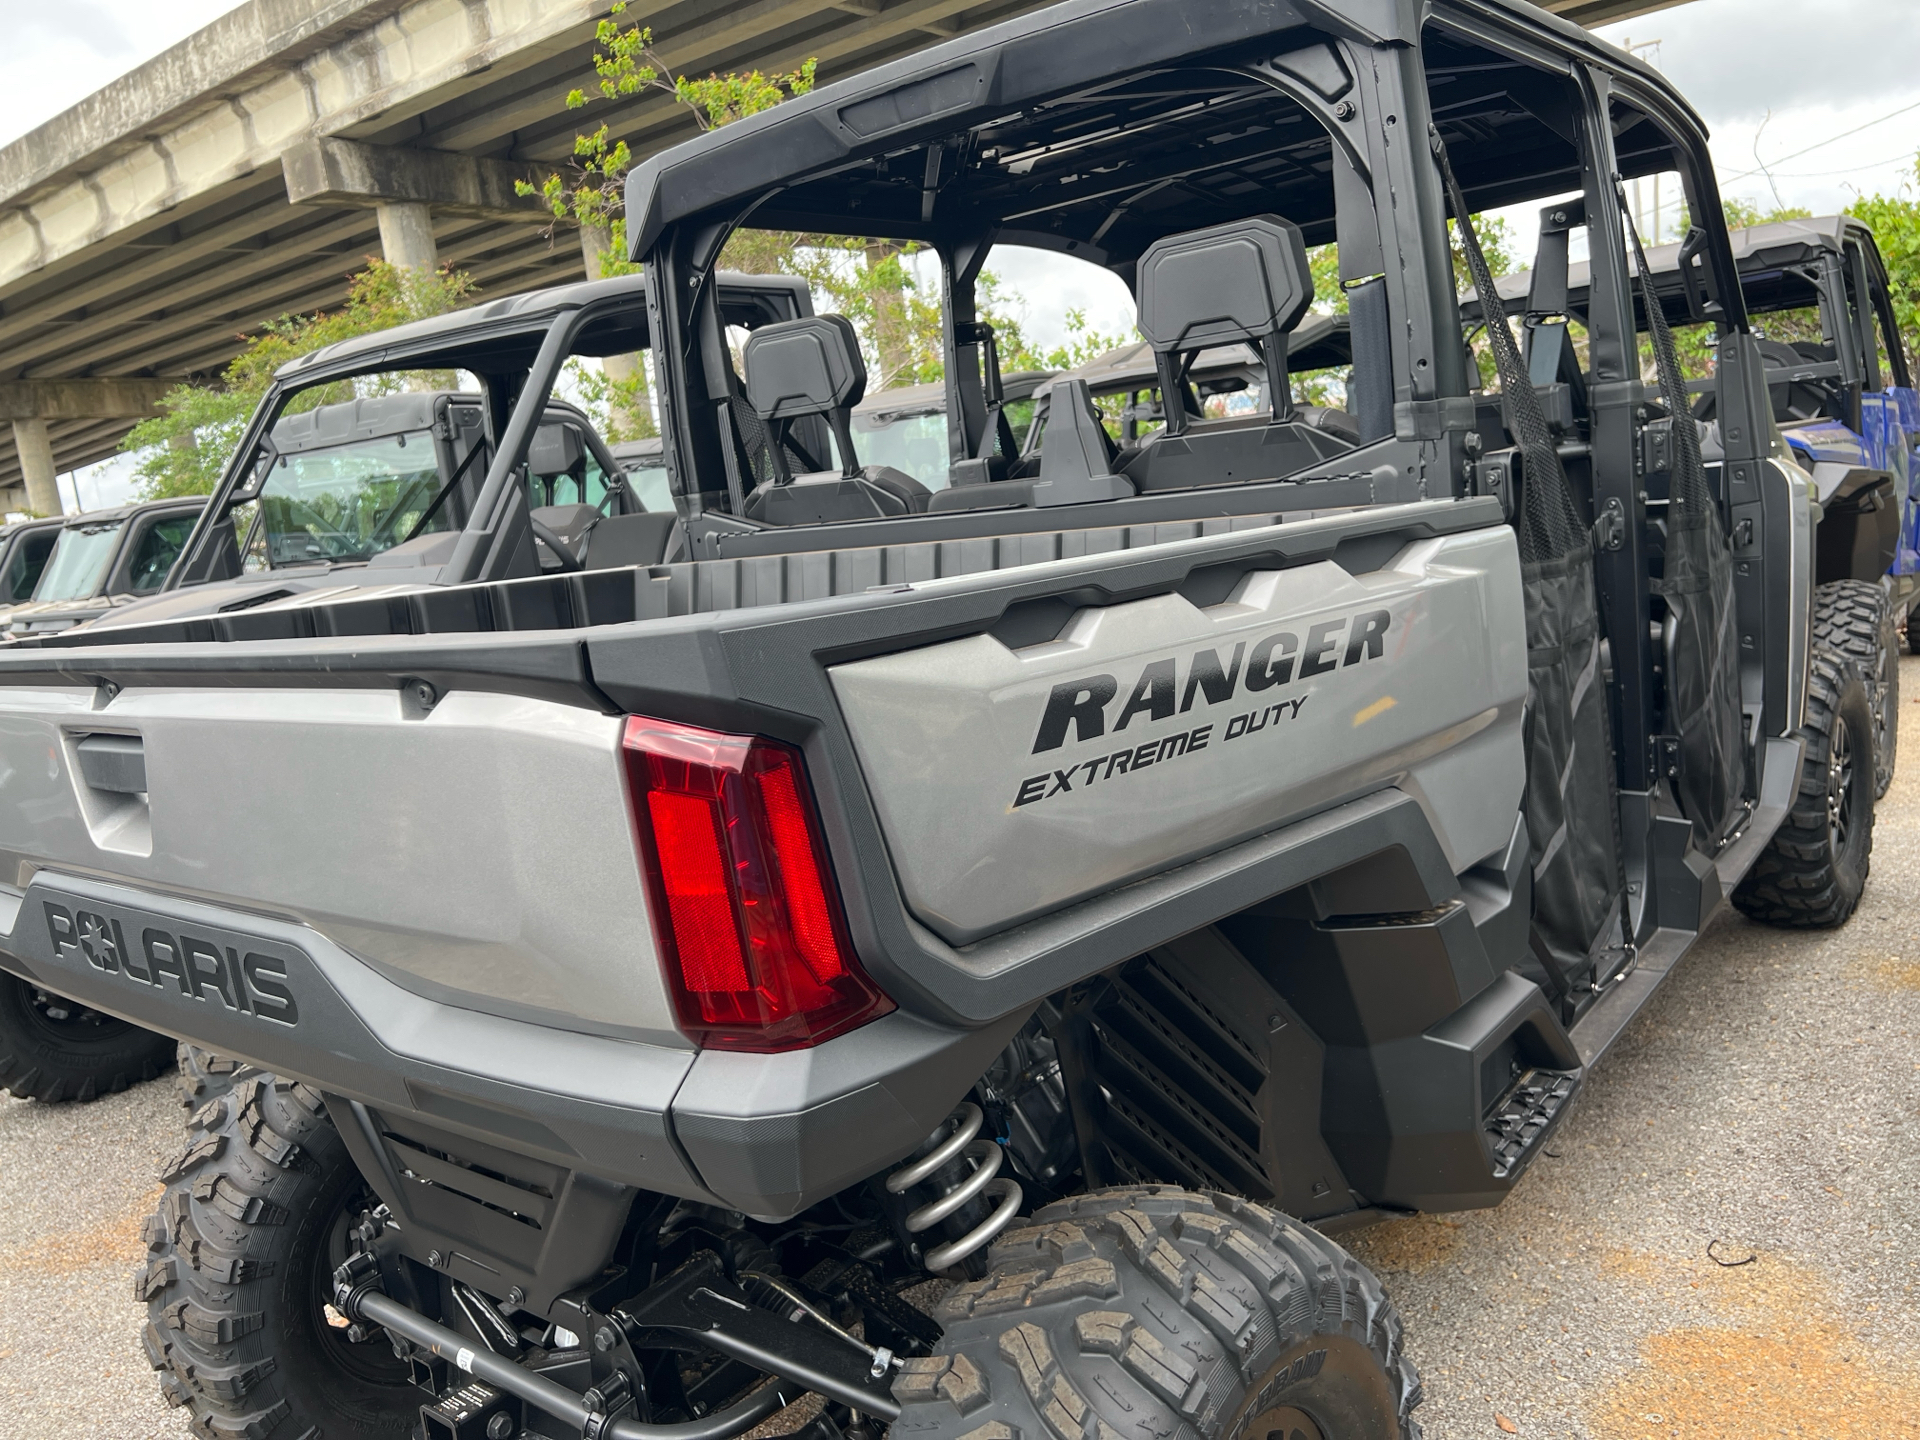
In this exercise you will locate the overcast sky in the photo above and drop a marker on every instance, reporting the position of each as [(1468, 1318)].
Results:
[(1763, 78)]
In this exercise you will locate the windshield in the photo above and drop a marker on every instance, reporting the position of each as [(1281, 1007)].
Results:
[(352, 501), (25, 564), (914, 444), (650, 485), (79, 562)]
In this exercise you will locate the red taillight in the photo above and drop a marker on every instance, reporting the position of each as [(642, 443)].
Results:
[(744, 907)]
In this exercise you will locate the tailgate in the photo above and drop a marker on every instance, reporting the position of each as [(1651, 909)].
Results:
[(1014, 781), (985, 800)]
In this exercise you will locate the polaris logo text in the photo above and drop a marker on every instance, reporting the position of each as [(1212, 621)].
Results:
[(247, 981), (1281, 658)]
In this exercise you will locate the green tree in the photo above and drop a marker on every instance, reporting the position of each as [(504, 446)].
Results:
[(184, 449), (1330, 298), (594, 195), (1895, 220), (1741, 213)]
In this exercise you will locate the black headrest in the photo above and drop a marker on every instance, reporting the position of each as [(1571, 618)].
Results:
[(556, 448), (1240, 281), (810, 366)]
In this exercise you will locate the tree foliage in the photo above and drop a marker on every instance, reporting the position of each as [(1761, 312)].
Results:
[(1896, 227), (184, 449), (615, 392), (625, 64)]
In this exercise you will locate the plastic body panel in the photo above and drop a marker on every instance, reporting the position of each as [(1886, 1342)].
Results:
[(776, 1133), (480, 853), (1376, 677), (424, 865), (289, 999), (763, 667)]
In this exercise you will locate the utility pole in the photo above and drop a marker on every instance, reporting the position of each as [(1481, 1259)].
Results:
[(1649, 225)]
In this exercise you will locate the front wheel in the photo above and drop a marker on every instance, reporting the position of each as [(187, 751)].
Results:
[(1814, 869), (1157, 1312), (52, 1048), (255, 1219), (1854, 619)]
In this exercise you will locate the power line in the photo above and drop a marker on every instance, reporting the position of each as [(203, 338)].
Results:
[(1907, 154), (1845, 134)]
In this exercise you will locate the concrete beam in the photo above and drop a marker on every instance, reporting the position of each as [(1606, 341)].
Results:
[(102, 399), (114, 327), (1602, 12), (333, 171), (252, 40), (651, 120), (67, 188)]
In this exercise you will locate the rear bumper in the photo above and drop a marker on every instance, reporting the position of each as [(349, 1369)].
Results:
[(769, 1135)]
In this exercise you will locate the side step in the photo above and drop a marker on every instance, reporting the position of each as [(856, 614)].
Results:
[(1594, 1032), (1525, 1116)]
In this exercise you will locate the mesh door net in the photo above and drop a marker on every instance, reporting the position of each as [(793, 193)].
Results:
[(1570, 810), (1702, 654)]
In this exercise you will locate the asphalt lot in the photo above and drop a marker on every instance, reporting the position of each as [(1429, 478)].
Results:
[(1767, 1104)]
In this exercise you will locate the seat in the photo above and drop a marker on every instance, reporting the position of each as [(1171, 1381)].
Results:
[(1799, 400), (648, 538), (1078, 463), (1243, 282), (812, 367)]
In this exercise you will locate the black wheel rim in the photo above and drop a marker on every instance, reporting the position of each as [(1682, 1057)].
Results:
[(1886, 710), (1285, 1423), (68, 1022), (1840, 785), (365, 1362)]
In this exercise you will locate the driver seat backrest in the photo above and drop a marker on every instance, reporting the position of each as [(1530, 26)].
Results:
[(812, 367), (1794, 401), (1243, 282)]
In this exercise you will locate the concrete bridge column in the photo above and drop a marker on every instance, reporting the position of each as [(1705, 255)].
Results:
[(406, 234), (35, 447), (634, 417)]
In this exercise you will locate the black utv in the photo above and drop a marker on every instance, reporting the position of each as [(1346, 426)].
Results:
[(1087, 884)]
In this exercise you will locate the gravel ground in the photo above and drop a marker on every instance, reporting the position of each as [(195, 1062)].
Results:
[(1766, 1105)]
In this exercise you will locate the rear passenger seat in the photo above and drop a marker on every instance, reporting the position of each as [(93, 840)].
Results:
[(1247, 281), (1242, 282)]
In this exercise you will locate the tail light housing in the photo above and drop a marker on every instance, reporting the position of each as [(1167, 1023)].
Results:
[(745, 910)]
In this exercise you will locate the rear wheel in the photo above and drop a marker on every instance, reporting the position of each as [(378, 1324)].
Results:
[(1855, 619), (1157, 1311), (1814, 869), (204, 1076), (255, 1219), (52, 1048)]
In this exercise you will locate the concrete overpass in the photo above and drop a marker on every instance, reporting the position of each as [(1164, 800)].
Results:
[(244, 173)]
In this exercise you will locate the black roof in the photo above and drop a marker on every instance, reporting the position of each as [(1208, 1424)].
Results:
[(512, 315), (1758, 251), (854, 157), (185, 505)]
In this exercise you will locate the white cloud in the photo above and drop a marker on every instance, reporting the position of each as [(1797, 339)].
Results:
[(1775, 78), (58, 53)]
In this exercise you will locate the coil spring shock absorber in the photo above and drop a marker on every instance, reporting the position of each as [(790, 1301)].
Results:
[(985, 1180)]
